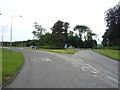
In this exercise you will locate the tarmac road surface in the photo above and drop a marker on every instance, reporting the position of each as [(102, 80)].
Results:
[(85, 69)]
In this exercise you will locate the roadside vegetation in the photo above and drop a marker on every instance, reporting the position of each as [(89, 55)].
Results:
[(63, 51), (68, 51), (114, 54), (11, 62), (111, 37)]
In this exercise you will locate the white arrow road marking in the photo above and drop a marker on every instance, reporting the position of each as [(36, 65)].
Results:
[(48, 59)]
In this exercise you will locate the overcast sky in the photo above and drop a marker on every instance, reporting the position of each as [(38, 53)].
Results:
[(46, 12)]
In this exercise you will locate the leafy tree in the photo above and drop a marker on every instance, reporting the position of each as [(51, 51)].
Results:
[(70, 33), (74, 40), (81, 29), (46, 39), (90, 35), (39, 31), (59, 33), (90, 44), (111, 36)]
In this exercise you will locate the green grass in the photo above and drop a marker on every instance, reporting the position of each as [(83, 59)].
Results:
[(109, 53), (68, 51), (11, 61)]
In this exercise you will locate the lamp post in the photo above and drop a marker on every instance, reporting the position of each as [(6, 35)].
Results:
[(2, 36), (11, 30), (3, 33)]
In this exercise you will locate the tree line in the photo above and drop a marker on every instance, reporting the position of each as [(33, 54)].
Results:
[(61, 36)]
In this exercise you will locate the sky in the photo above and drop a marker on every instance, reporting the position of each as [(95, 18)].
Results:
[(47, 12)]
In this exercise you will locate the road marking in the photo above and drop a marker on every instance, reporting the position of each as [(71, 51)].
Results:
[(95, 72), (84, 68), (113, 79), (43, 59), (90, 66), (40, 59), (48, 59)]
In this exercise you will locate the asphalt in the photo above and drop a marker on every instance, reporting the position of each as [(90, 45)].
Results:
[(85, 69)]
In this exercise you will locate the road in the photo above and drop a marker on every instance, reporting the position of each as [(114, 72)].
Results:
[(85, 69)]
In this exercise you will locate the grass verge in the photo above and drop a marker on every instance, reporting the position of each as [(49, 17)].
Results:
[(114, 54), (68, 51), (11, 62)]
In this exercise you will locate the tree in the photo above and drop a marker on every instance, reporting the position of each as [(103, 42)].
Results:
[(90, 35), (59, 33), (39, 31), (111, 36), (46, 39), (70, 33), (81, 29)]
